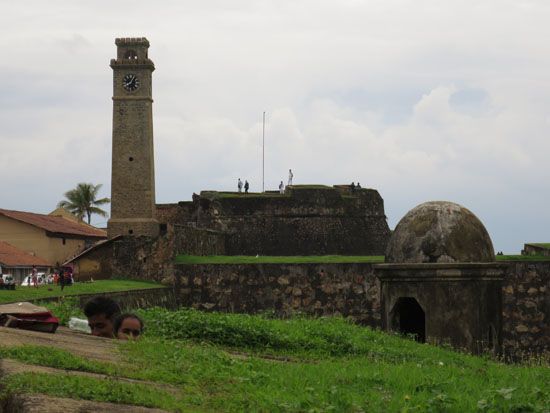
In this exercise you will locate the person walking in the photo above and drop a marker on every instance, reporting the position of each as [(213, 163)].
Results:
[(290, 176), (246, 186), (240, 185), (62, 279), (281, 188), (34, 276)]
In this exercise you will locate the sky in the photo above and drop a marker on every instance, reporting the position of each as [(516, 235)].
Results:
[(420, 99)]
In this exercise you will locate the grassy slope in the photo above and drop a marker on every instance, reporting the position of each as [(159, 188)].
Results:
[(45, 291), (335, 366), (244, 259)]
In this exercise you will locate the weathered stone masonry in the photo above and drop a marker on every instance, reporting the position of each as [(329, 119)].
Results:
[(305, 221), (328, 289), (353, 290), (526, 307)]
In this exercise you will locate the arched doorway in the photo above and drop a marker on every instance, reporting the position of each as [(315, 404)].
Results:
[(408, 318)]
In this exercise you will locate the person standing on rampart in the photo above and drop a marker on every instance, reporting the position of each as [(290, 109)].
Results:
[(281, 188), (246, 186), (240, 185), (290, 176)]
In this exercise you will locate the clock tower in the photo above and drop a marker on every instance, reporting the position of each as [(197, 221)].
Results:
[(133, 172)]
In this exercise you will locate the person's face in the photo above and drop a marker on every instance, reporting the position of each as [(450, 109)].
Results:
[(130, 328), (101, 326)]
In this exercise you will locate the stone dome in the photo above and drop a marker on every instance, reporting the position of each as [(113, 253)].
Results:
[(439, 231)]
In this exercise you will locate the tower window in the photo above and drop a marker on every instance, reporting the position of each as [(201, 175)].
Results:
[(131, 55), (130, 231), (64, 241), (131, 159)]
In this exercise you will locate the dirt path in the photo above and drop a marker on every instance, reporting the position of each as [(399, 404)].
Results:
[(79, 344)]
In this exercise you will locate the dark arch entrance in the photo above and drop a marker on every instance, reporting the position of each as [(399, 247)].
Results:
[(409, 318)]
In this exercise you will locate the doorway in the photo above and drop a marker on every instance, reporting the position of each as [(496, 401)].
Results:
[(408, 318)]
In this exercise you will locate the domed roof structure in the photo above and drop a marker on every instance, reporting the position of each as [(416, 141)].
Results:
[(440, 231)]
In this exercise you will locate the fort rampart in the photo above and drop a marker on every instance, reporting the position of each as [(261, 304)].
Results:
[(310, 220), (352, 290)]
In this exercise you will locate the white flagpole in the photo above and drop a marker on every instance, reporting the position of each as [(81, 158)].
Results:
[(263, 154)]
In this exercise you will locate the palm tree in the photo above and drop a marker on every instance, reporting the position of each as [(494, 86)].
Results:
[(82, 201)]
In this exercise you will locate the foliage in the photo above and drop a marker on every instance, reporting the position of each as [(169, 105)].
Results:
[(82, 201), (64, 308), (78, 288), (250, 259)]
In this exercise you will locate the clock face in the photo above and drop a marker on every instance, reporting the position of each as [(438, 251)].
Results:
[(130, 82)]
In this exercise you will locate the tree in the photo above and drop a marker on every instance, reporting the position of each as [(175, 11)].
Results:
[(82, 201)]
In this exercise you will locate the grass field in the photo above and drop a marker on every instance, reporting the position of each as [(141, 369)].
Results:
[(522, 258), (314, 259), (234, 363), (46, 291), (245, 259), (541, 244)]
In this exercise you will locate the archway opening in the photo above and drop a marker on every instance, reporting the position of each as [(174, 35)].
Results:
[(408, 318), (131, 55)]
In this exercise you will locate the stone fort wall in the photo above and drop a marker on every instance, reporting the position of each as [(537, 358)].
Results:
[(352, 290), (312, 220)]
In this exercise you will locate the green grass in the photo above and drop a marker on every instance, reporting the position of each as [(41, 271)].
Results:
[(540, 244), (311, 186), (522, 258), (334, 366), (46, 291), (245, 259), (88, 388), (314, 259), (225, 195)]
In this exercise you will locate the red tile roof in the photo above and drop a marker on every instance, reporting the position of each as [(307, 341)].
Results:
[(11, 256), (55, 224)]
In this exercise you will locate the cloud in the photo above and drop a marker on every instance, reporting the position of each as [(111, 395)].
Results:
[(421, 100)]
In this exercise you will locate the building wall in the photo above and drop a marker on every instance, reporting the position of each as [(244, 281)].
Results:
[(95, 265), (130, 300), (526, 307), (35, 241), (194, 241), (529, 249), (144, 258), (353, 290), (333, 289)]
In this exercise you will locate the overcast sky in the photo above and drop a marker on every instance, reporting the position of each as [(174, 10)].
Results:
[(419, 99)]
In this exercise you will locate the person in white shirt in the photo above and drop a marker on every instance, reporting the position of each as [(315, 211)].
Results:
[(290, 176)]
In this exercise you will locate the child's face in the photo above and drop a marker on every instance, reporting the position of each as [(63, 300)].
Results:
[(130, 328)]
